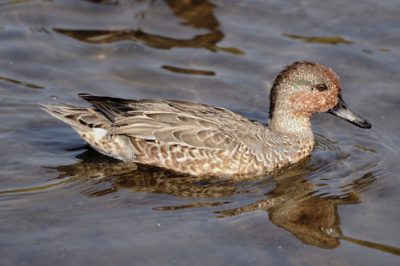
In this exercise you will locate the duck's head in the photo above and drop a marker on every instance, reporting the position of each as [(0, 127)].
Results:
[(304, 88)]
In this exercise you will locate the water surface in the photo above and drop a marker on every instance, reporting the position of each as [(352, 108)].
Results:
[(62, 203)]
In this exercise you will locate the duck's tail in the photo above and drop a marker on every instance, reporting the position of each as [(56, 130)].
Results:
[(94, 128), (81, 119)]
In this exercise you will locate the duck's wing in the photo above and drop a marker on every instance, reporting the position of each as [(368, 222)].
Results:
[(177, 122)]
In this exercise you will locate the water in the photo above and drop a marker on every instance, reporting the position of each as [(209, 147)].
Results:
[(62, 203)]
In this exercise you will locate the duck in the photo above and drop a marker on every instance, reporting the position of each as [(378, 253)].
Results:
[(203, 140)]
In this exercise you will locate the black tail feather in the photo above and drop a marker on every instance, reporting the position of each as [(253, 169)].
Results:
[(108, 106)]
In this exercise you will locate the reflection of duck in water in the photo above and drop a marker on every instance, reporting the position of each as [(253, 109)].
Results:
[(198, 139), (95, 169), (312, 219), (292, 204)]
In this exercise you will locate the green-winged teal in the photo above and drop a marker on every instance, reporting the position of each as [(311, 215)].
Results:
[(199, 139)]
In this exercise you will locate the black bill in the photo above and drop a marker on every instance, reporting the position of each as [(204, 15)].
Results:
[(341, 110)]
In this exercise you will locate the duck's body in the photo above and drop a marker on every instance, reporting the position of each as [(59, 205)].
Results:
[(199, 139), (186, 137)]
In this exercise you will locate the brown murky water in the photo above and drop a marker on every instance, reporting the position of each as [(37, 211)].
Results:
[(63, 204)]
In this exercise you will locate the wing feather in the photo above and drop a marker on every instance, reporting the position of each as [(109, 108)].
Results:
[(178, 122)]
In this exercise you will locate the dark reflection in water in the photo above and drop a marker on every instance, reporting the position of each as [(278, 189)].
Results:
[(312, 219), (196, 14), (21, 83), (104, 2), (293, 204), (189, 71), (319, 39)]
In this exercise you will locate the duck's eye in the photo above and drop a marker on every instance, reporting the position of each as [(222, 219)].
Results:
[(322, 87)]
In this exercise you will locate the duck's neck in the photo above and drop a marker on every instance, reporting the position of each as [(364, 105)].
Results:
[(285, 122)]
